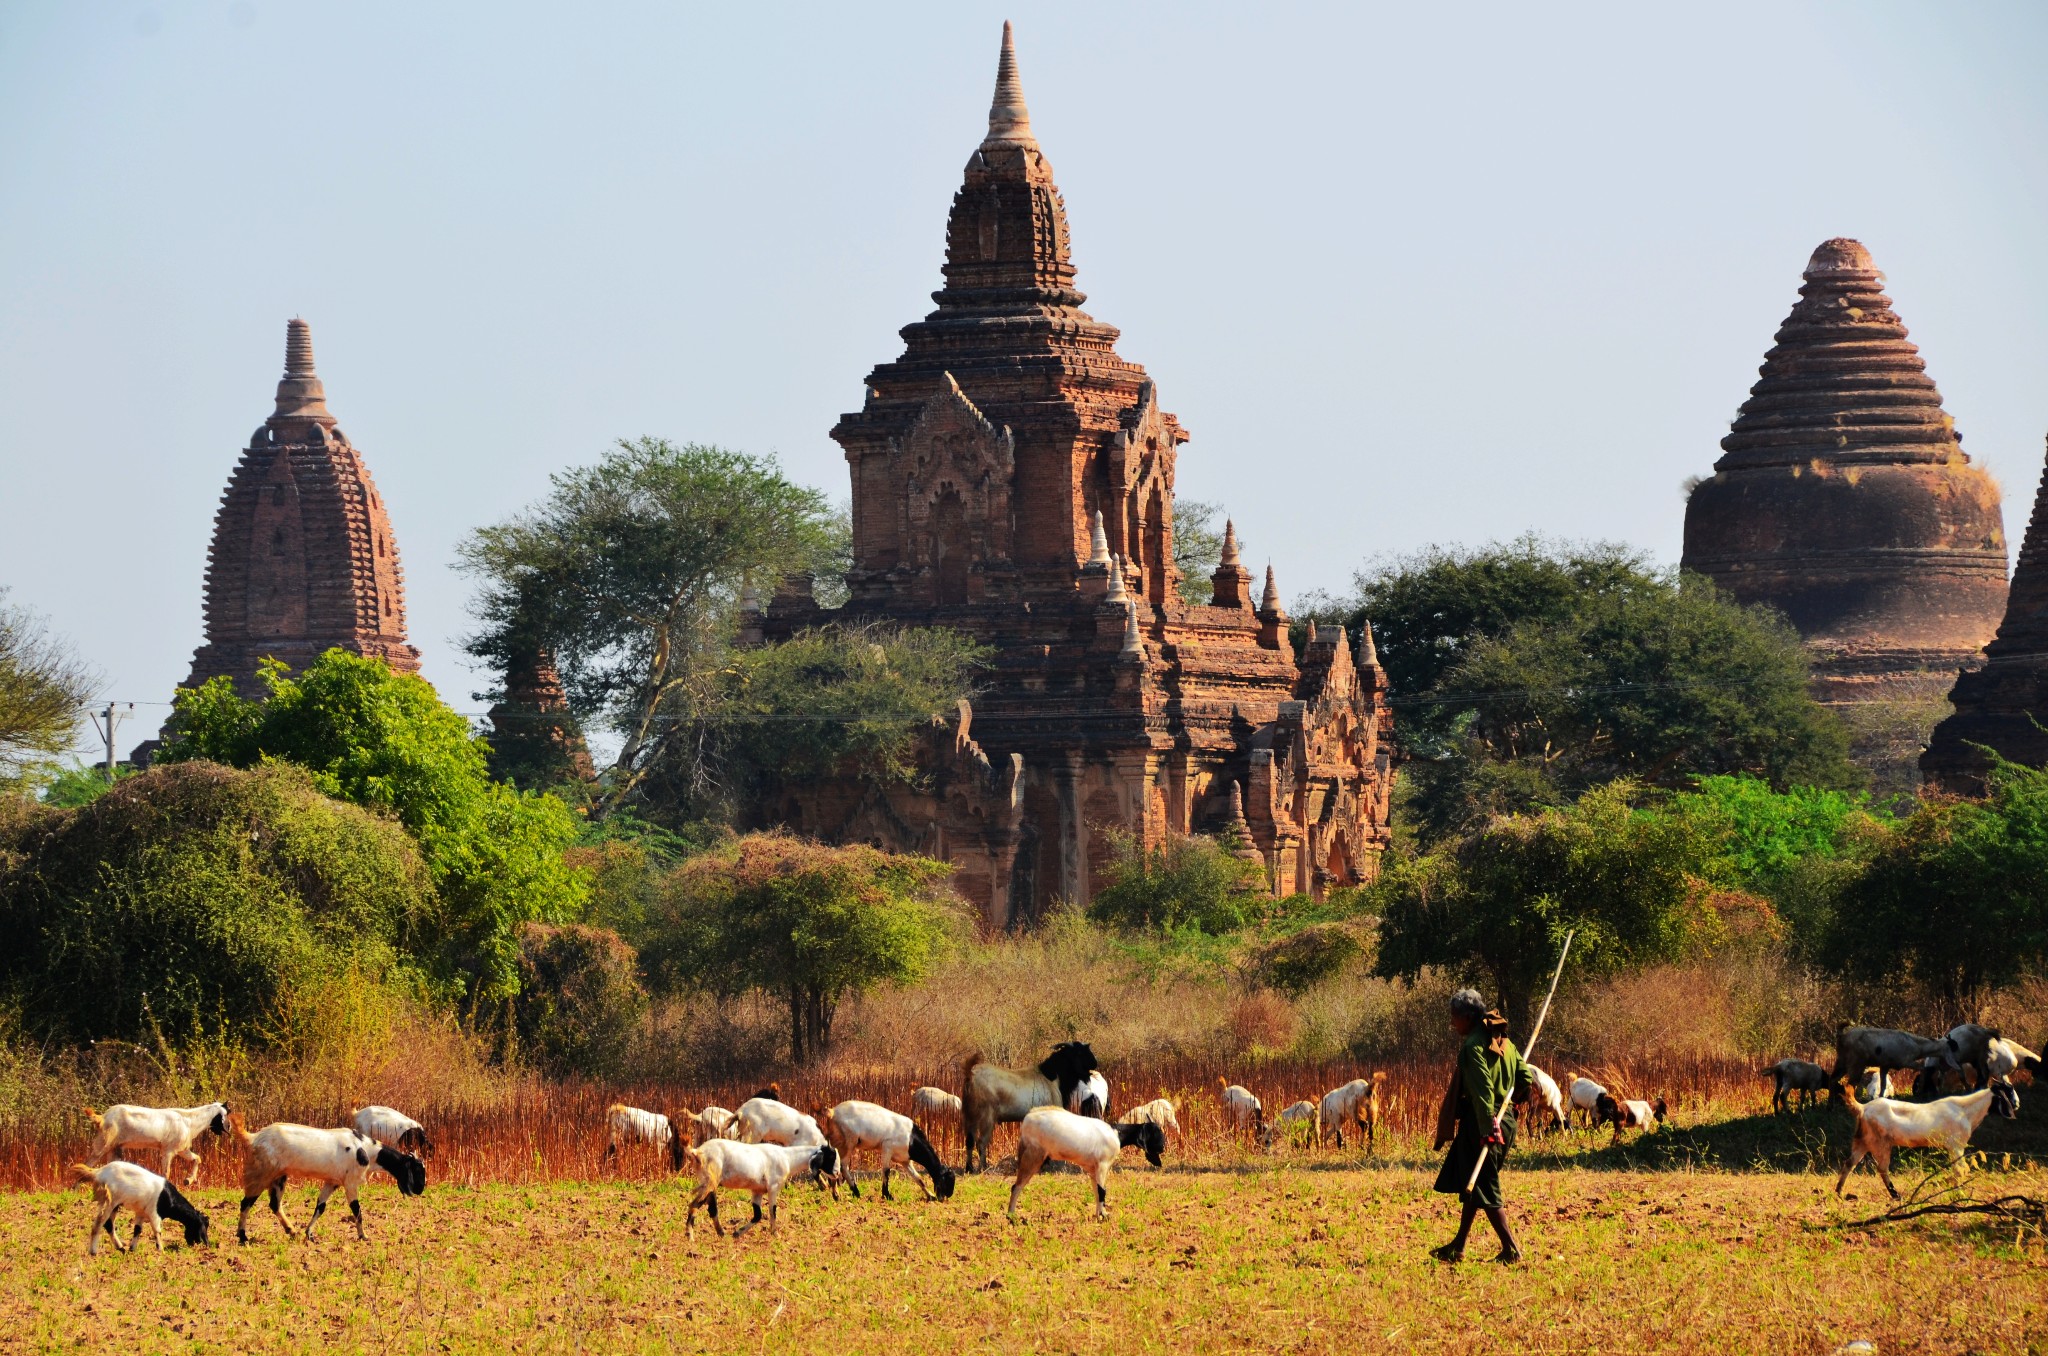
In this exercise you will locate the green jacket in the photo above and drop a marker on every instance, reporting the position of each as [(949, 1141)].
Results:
[(1490, 1079)]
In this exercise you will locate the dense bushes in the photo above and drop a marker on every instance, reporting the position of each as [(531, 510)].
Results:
[(194, 897), (580, 1001), (1192, 883)]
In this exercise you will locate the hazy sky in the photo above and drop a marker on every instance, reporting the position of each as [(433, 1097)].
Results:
[(1409, 273)]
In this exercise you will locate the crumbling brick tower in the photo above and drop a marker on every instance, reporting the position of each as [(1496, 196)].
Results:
[(1013, 479), (303, 559)]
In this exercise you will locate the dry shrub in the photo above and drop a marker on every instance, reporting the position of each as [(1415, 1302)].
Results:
[(1262, 1025)]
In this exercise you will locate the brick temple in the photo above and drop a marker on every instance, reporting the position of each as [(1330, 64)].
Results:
[(1013, 479), (2004, 704), (1844, 499), (303, 559)]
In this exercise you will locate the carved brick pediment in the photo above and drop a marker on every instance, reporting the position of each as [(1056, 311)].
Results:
[(957, 469)]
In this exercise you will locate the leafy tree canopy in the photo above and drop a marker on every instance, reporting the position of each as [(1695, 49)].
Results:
[(1185, 882), (630, 573), (1197, 548), (42, 687), (385, 740), (810, 923)]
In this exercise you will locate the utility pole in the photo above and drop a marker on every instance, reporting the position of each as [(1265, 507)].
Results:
[(105, 722)]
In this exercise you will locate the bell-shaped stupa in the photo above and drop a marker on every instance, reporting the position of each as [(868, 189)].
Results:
[(1843, 498)]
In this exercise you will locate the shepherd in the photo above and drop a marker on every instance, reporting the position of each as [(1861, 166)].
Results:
[(1478, 1122)]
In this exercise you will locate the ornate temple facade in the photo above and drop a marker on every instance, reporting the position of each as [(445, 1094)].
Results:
[(1844, 499), (2004, 704), (303, 559), (1013, 479)]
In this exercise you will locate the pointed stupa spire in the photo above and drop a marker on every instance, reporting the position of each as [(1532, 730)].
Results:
[(1230, 542), (1117, 592), (1269, 605), (1009, 122), (1368, 651), (299, 394), (1133, 645), (1098, 544)]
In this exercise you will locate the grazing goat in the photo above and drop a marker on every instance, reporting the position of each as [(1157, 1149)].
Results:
[(393, 1128), (630, 1125), (934, 1106), (1859, 1048), (1090, 1097), (2008, 1057), (148, 1196), (1087, 1143), (1242, 1108), (991, 1095), (1885, 1125), (760, 1169), (168, 1130), (334, 1158), (1628, 1115), (897, 1141), (1356, 1104), (1295, 1123), (1586, 1095), (713, 1122), (1159, 1112), (1794, 1078), (1969, 1046), (767, 1120), (1549, 1098)]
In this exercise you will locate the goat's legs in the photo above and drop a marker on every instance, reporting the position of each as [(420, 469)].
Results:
[(1030, 1159), (156, 1226), (355, 1207), (1101, 1176), (277, 1206), (319, 1208), (1856, 1155)]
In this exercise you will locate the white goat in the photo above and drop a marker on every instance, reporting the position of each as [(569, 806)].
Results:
[(168, 1130), (1240, 1105), (2008, 1057), (1794, 1078), (934, 1106), (149, 1197), (764, 1120), (896, 1140), (1294, 1124), (991, 1095), (1885, 1125), (1586, 1095), (1356, 1104), (760, 1169), (1087, 1143), (394, 1128), (1090, 1097), (630, 1125), (1159, 1111), (1548, 1096), (334, 1158), (713, 1122)]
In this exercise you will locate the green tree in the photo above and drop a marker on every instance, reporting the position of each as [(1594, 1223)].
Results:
[(193, 896), (810, 923), (42, 688), (630, 574), (1957, 898), (1197, 548), (580, 1001), (386, 741), (1499, 902), (1184, 882), (82, 784)]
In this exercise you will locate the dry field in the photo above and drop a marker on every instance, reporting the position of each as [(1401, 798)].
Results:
[(1308, 1256)]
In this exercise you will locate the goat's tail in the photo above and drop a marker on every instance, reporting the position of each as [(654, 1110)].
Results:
[(91, 1115), (79, 1172)]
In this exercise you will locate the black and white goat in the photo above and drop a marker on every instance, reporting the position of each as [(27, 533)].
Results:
[(392, 1128), (334, 1158), (759, 1169), (896, 1140), (149, 1196), (169, 1130), (991, 1095), (1049, 1133)]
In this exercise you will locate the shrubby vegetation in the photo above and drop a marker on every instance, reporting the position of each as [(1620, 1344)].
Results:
[(42, 685)]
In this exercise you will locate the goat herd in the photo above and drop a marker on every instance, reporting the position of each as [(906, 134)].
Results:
[(1061, 1109)]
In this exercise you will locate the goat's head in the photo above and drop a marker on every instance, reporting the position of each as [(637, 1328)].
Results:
[(824, 1163), (1658, 1108), (771, 1093), (677, 1141), (2005, 1100), (219, 1123), (172, 1205), (1605, 1108), (406, 1170), (1146, 1136)]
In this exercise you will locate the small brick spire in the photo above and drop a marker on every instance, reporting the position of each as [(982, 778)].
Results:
[(1230, 543), (1368, 651), (1117, 592), (1098, 544), (299, 393), (1009, 122), (1269, 605)]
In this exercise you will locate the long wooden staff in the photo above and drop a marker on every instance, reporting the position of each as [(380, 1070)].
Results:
[(1534, 1032)]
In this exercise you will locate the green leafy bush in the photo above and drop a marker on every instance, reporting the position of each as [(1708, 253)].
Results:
[(1191, 882), (194, 897), (579, 1000), (1297, 963)]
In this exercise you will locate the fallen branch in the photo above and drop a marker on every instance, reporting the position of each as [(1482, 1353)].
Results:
[(2023, 1210)]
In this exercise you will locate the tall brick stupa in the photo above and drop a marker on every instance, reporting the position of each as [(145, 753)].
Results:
[(1843, 498), (2004, 704), (303, 559), (1013, 479)]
